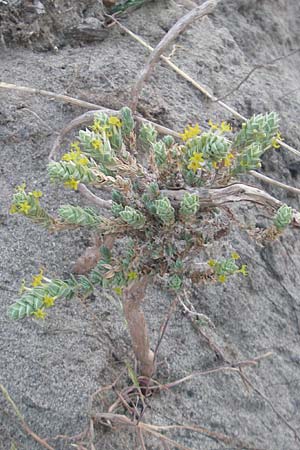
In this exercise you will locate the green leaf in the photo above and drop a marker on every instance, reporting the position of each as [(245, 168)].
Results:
[(132, 375), (76, 215), (283, 217), (127, 121), (165, 211), (259, 129), (133, 217), (189, 205), (148, 134)]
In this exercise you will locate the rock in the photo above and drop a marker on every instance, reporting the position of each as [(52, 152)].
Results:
[(89, 30)]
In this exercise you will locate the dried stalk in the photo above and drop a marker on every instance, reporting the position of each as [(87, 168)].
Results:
[(133, 296), (269, 180), (164, 325), (25, 427), (233, 368), (155, 430), (195, 14), (106, 204), (256, 67), (266, 399), (52, 95)]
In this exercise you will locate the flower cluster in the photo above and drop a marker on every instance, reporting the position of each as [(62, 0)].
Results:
[(227, 267), (28, 204)]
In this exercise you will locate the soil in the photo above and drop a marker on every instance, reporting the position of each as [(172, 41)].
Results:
[(51, 367)]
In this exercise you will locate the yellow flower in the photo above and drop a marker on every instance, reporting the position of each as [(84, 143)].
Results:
[(195, 161), (21, 188), (225, 127), (37, 194), (215, 164), (76, 146), (118, 290), (37, 279), (193, 166), (48, 301), (82, 161), (213, 126), (40, 314), (96, 127), (68, 156), (235, 255), (24, 207), (274, 142), (227, 159), (222, 278), (243, 270), (96, 144), (190, 132), (212, 263), (72, 184), (113, 120), (132, 276), (77, 157)]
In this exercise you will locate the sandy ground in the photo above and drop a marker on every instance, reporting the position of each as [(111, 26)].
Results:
[(51, 368)]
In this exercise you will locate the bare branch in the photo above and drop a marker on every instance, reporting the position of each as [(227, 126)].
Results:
[(233, 368), (196, 13), (219, 437), (106, 204), (164, 326), (155, 430), (266, 399), (233, 193), (26, 428)]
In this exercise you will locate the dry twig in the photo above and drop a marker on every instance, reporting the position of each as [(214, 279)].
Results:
[(256, 67), (194, 317), (267, 400), (51, 95), (107, 419), (233, 368), (269, 180), (164, 325), (24, 425)]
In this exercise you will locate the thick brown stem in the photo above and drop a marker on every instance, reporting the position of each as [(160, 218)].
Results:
[(132, 298)]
